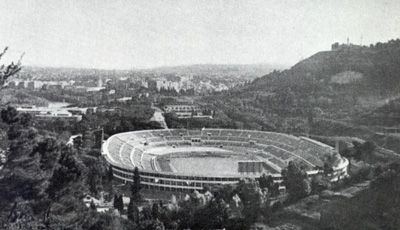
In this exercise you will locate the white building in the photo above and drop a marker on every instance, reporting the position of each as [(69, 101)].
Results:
[(50, 113), (183, 111)]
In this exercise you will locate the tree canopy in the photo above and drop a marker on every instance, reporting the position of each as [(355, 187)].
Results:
[(6, 71)]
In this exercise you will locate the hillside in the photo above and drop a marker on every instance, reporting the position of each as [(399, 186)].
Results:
[(376, 68), (330, 93), (387, 115), (345, 79)]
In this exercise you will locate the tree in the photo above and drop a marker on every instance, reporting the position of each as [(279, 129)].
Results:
[(49, 151), (94, 180), (59, 125), (155, 211), (25, 119), (110, 173), (135, 187), (213, 215), (115, 201), (69, 171), (367, 149), (92, 205), (217, 213), (152, 225), (121, 203), (65, 189), (77, 142), (118, 203), (6, 71), (9, 115), (133, 211), (22, 175), (263, 181), (266, 182), (253, 199), (275, 190), (296, 181), (39, 172), (147, 213), (356, 154), (87, 139), (320, 183)]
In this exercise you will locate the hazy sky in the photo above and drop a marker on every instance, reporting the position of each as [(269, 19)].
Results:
[(127, 34)]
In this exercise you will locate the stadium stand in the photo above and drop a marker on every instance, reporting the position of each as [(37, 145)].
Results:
[(125, 151)]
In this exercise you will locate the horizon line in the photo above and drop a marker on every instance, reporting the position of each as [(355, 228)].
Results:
[(277, 65)]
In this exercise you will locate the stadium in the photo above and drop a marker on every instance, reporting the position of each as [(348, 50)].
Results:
[(187, 160)]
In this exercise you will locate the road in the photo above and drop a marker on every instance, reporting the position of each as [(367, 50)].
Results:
[(159, 117)]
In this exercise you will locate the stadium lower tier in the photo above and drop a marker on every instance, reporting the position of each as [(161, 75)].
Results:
[(171, 182), (187, 160)]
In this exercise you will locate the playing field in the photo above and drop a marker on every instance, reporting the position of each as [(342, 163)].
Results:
[(205, 163)]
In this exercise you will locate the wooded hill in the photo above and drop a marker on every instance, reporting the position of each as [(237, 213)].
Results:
[(370, 70)]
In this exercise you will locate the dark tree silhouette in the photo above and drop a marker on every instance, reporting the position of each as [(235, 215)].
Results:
[(6, 71), (110, 173), (266, 182), (133, 211), (92, 205), (118, 203), (155, 211), (296, 181), (135, 187), (9, 115), (115, 201)]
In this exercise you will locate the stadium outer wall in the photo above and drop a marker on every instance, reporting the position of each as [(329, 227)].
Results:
[(175, 181)]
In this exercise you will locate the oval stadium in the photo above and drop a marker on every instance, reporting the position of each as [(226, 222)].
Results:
[(187, 160)]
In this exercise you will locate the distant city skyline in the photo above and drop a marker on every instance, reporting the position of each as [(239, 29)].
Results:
[(126, 34)]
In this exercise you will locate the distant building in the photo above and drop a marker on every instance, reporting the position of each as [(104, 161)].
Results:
[(185, 111), (36, 85), (94, 89), (336, 46), (46, 113), (79, 110), (165, 84), (55, 87), (64, 115), (124, 99)]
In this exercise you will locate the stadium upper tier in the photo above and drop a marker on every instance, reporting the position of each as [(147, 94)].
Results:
[(154, 152)]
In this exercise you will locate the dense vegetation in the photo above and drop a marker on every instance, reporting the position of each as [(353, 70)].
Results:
[(32, 192), (375, 208)]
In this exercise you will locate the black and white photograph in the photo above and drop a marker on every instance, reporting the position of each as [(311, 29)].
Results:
[(200, 115)]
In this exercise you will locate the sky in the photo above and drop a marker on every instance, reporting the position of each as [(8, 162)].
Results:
[(125, 34)]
